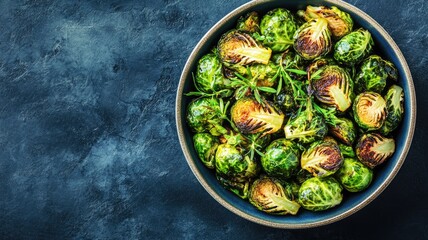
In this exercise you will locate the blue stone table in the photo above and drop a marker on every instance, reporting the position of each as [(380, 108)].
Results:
[(88, 143)]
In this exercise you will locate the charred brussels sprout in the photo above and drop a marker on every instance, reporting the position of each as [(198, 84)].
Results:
[(339, 22), (322, 158), (306, 126), (231, 163), (373, 74), (209, 77), (251, 116), (239, 48), (281, 158), (313, 39), (277, 28), (268, 195), (344, 130), (238, 186), (354, 175), (334, 87), (318, 194), (373, 149), (354, 47), (369, 110), (394, 107), (206, 147), (249, 23), (204, 115)]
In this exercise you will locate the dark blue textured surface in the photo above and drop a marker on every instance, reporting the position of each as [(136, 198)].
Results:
[(88, 146)]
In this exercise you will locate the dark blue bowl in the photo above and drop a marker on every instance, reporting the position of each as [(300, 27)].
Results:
[(352, 202)]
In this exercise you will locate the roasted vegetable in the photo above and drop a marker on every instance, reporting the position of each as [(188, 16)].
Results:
[(206, 147), (231, 163), (347, 151), (333, 87), (306, 126), (267, 194), (209, 77), (265, 74), (373, 74), (373, 149), (251, 116), (239, 48), (249, 23), (239, 186), (394, 109), (353, 47), (322, 158), (354, 175), (369, 110), (277, 28), (313, 39), (205, 115), (339, 22), (281, 158), (318, 194)]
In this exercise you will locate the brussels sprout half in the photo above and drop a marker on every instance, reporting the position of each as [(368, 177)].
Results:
[(353, 47), (277, 28), (249, 23), (322, 158), (206, 147), (369, 110), (204, 115), (354, 175), (344, 130), (281, 158), (268, 195), (318, 194), (373, 74), (239, 48), (231, 163), (394, 107), (334, 87), (251, 116), (373, 149), (339, 22), (313, 39)]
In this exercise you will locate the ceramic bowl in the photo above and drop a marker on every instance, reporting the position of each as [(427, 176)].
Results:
[(352, 202)]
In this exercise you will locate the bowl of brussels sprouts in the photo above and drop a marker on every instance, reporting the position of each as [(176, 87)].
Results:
[(295, 114)]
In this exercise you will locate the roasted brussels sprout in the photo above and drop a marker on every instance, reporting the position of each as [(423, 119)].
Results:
[(373, 149), (268, 195), (251, 116), (206, 147), (285, 101), (239, 48), (306, 126), (344, 130), (339, 22), (239, 186), (318, 194), (313, 39), (354, 175), (249, 23), (373, 74), (277, 28), (353, 47), (394, 109), (281, 158), (209, 77), (230, 162), (322, 158), (369, 110), (204, 115), (333, 87)]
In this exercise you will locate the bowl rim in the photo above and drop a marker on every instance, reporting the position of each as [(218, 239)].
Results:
[(401, 158)]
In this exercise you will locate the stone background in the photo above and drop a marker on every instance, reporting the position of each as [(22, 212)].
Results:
[(88, 143)]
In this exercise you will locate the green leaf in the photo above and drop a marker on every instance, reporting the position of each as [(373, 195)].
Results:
[(296, 71), (267, 89)]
